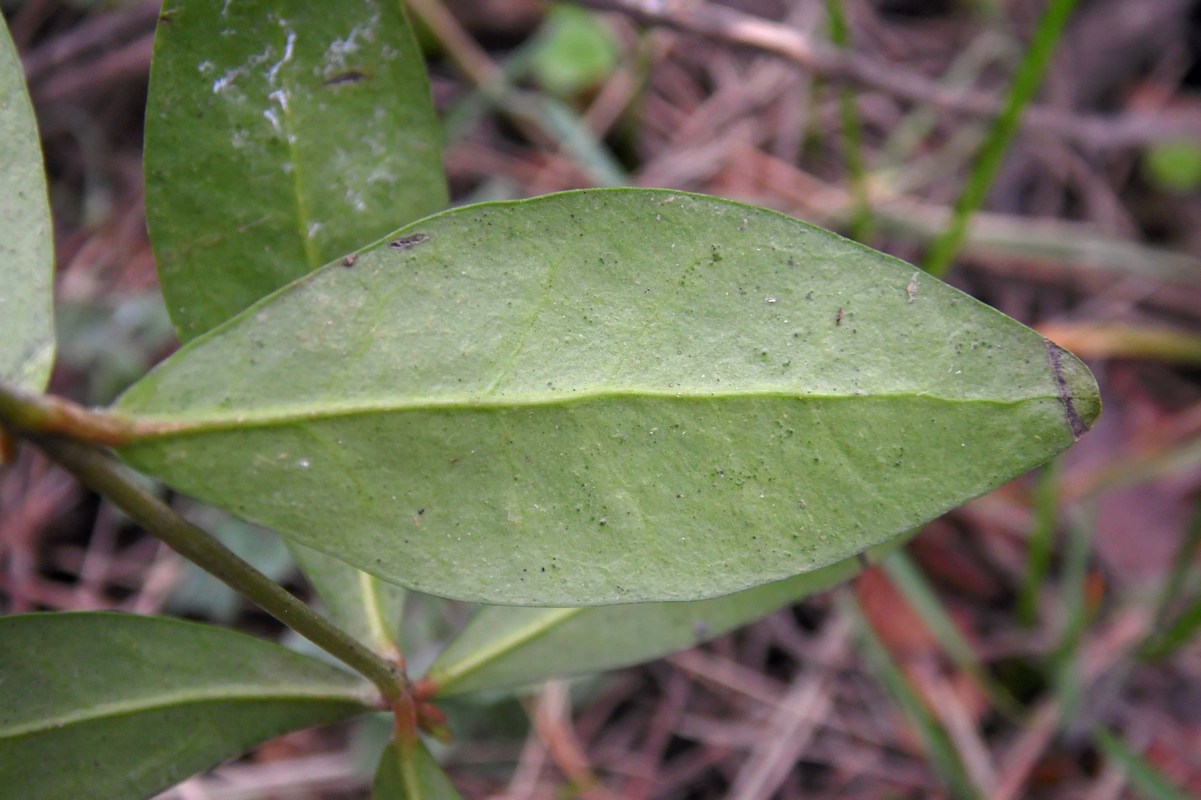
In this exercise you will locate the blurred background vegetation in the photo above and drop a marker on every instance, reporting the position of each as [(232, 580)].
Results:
[(1040, 642)]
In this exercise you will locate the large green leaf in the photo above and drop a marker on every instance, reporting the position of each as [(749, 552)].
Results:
[(26, 245), (117, 706), (361, 604), (280, 135), (606, 396), (506, 646), (409, 772)]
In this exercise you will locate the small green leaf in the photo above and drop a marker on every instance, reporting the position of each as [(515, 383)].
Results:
[(606, 396), (505, 647), (1175, 165), (279, 136), (575, 52), (409, 772), (361, 604), (26, 244), (116, 706)]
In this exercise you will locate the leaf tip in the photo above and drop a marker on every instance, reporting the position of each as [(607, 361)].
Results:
[(1077, 388)]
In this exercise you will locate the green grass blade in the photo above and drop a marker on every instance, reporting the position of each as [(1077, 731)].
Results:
[(944, 757), (852, 133), (1021, 91), (1041, 543), (922, 599), (1168, 635), (1147, 781)]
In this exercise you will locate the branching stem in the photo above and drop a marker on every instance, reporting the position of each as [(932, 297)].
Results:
[(68, 434)]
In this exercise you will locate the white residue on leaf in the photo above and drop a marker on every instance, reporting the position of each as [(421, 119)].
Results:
[(377, 147), (239, 139), (227, 80), (355, 200), (273, 118), (224, 82), (225, 7), (273, 70), (303, 463), (205, 67), (281, 97), (314, 229), (381, 175), (338, 50)]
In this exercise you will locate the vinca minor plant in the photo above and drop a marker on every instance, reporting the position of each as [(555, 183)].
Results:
[(624, 420)]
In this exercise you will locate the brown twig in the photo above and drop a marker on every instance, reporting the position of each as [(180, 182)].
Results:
[(744, 30), (98, 34)]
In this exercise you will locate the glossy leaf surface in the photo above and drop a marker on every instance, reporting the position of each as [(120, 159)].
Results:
[(409, 772), (505, 646), (26, 245), (606, 396), (280, 135), (117, 706)]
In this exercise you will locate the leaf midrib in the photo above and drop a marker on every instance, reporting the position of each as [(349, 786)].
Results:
[(148, 425), (164, 700), (497, 649)]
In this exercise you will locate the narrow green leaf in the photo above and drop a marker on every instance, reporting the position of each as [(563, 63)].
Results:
[(943, 756), (505, 647), (26, 243), (409, 772), (361, 604), (1026, 80), (606, 396), (280, 135), (1146, 780), (104, 705)]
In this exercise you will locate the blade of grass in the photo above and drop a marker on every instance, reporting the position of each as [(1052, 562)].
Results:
[(1041, 543), (944, 758), (1182, 631), (1167, 637), (921, 597), (852, 133), (1022, 89), (1147, 780), (1066, 673)]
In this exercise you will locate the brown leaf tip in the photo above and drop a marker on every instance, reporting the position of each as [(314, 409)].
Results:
[(1075, 423)]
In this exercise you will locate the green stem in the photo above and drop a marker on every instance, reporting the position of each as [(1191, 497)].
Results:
[(104, 475), (46, 414), (1025, 83)]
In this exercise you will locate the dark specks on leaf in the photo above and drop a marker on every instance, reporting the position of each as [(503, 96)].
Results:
[(350, 76), (405, 242), (838, 317), (350, 261)]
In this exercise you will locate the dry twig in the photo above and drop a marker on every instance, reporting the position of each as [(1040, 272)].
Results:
[(744, 30)]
